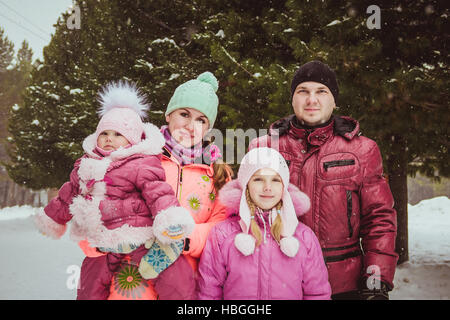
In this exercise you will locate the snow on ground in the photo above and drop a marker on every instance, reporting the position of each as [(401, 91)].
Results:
[(427, 273), (35, 267)]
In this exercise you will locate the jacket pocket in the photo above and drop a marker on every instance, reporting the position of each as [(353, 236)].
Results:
[(337, 166), (338, 218), (349, 212), (338, 163)]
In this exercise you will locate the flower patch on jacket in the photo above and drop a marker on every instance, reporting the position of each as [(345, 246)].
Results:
[(128, 282), (194, 202)]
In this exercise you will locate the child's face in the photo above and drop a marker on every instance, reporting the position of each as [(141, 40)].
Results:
[(187, 126), (265, 188), (111, 140)]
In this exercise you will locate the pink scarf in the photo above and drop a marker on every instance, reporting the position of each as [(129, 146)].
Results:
[(194, 154)]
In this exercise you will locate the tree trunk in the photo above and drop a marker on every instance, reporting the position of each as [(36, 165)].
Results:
[(397, 168)]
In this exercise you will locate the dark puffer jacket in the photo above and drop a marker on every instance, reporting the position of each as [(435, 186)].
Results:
[(351, 203)]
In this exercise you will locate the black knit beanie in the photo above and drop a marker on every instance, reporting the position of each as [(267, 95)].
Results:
[(318, 72)]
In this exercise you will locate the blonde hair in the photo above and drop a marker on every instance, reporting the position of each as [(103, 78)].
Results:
[(275, 229), (222, 174)]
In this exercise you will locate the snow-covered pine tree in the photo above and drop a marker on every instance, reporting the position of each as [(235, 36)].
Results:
[(13, 79), (6, 59), (142, 41)]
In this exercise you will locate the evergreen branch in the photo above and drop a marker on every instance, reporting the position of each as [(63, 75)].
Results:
[(425, 105), (157, 21), (235, 62)]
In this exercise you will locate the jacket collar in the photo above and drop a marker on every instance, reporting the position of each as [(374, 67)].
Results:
[(152, 144), (170, 157), (340, 125)]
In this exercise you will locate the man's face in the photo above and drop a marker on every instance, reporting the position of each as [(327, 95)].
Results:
[(313, 103)]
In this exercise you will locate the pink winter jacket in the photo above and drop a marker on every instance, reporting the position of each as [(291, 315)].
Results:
[(113, 200), (267, 274)]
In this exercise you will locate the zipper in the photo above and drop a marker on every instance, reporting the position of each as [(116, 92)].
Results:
[(178, 179), (259, 274), (338, 163), (180, 182), (349, 212)]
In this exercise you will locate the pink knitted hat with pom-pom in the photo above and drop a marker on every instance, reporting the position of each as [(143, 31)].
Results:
[(122, 109)]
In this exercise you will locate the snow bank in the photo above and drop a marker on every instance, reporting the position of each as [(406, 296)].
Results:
[(429, 231), (33, 266), (427, 273), (16, 212)]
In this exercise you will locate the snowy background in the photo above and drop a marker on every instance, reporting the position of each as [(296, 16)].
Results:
[(35, 267)]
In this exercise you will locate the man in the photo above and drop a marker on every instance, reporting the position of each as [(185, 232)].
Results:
[(341, 171)]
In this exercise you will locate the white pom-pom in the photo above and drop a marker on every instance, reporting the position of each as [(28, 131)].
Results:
[(122, 94), (245, 243), (289, 246)]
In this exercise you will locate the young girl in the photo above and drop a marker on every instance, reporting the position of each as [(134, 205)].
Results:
[(117, 197), (262, 251)]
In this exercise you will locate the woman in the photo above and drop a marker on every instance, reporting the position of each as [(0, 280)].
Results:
[(191, 113)]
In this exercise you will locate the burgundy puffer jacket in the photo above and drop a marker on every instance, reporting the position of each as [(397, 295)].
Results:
[(351, 203), (114, 200)]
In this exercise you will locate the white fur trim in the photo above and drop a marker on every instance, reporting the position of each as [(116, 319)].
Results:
[(289, 246), (245, 243), (122, 94), (89, 144), (172, 216), (91, 168), (152, 144), (87, 224), (48, 226)]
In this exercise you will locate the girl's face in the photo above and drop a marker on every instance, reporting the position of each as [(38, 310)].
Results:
[(265, 188), (187, 126), (111, 140)]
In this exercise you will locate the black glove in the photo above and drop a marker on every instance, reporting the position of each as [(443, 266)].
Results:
[(373, 294)]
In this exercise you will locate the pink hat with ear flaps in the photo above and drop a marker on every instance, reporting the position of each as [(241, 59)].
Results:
[(122, 108), (254, 160)]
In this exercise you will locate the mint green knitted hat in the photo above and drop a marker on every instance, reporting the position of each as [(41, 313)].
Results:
[(198, 94)]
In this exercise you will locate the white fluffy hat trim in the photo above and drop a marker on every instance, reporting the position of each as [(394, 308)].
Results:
[(122, 94)]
